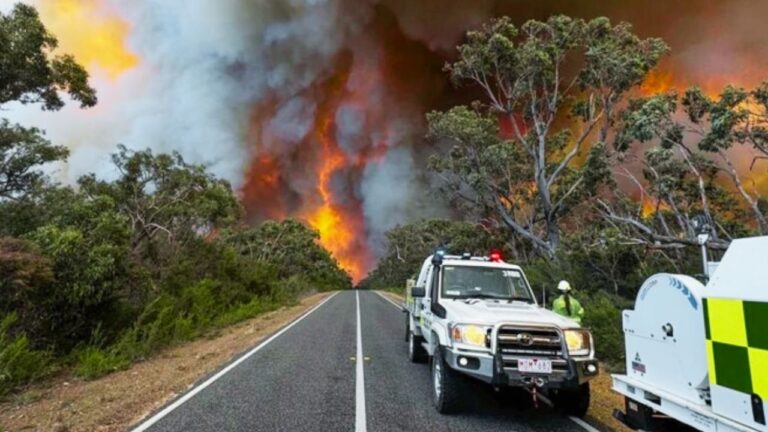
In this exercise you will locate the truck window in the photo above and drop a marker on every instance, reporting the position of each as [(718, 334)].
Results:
[(484, 282)]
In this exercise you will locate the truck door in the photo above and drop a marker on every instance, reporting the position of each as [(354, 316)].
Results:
[(426, 307)]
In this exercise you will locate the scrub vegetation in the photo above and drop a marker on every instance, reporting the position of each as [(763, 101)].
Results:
[(103, 273), (576, 172)]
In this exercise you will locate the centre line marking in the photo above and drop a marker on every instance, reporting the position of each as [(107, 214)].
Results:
[(360, 423)]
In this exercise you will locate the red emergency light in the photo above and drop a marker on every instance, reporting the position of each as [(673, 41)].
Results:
[(495, 255)]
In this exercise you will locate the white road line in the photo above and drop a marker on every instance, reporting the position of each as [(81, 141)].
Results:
[(576, 420), (360, 423), (389, 300), (583, 424), (187, 396)]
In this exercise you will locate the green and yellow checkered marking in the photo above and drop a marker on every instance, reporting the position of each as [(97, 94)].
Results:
[(737, 344)]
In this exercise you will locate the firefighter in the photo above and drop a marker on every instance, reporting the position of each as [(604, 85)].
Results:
[(566, 305)]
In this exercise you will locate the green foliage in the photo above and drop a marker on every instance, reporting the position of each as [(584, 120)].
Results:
[(22, 152), (292, 248), (106, 273), (408, 246), (195, 309), (26, 279), (19, 363), (166, 201), (687, 141), (603, 318), (90, 270), (30, 73), (94, 362), (114, 271), (555, 87)]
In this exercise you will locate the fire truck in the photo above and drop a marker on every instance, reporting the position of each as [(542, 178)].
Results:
[(698, 354), (477, 318)]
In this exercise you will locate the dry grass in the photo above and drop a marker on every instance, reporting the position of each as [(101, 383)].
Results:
[(604, 401), (117, 401)]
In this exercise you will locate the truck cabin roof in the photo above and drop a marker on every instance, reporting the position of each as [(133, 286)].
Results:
[(458, 260)]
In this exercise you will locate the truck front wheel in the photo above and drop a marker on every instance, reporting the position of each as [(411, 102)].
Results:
[(446, 385), (416, 351), (573, 402)]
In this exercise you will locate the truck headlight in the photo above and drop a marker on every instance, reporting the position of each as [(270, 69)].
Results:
[(579, 342), (469, 334)]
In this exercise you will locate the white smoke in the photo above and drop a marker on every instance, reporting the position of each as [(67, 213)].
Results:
[(204, 65)]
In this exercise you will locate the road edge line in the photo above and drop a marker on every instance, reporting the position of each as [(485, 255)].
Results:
[(197, 389), (360, 420), (389, 300), (583, 424)]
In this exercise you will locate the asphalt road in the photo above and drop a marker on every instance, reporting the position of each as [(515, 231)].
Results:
[(306, 378)]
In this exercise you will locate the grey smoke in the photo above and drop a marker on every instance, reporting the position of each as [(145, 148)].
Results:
[(205, 65)]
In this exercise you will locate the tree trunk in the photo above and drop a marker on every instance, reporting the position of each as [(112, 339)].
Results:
[(553, 234)]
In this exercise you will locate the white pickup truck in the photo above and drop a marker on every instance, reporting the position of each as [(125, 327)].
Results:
[(477, 317)]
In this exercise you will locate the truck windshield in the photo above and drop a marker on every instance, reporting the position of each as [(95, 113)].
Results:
[(484, 282)]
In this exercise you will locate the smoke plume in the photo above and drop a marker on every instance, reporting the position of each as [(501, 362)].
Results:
[(315, 108)]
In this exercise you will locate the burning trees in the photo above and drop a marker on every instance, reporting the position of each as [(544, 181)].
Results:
[(703, 159), (551, 91)]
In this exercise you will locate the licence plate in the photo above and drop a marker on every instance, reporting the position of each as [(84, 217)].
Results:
[(534, 366)]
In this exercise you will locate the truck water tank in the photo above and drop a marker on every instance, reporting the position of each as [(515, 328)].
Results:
[(665, 336)]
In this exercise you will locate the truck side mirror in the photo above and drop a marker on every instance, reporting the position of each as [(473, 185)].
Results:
[(418, 291)]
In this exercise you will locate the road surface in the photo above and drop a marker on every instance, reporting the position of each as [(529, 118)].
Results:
[(310, 376)]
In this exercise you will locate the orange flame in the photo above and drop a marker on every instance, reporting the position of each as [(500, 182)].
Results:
[(91, 32), (268, 191), (658, 81), (335, 232), (650, 206)]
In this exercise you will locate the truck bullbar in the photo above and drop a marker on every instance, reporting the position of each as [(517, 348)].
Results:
[(514, 342)]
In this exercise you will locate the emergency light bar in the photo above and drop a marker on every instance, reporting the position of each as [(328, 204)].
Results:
[(440, 255)]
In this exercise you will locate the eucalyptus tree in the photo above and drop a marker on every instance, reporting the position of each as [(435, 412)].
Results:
[(532, 148)]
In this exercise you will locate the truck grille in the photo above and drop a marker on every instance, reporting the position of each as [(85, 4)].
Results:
[(514, 343)]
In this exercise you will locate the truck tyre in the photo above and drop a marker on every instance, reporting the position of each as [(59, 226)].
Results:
[(416, 351), (573, 402), (446, 385)]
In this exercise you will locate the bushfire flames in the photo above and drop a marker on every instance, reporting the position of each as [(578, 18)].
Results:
[(336, 233), (338, 219), (315, 177)]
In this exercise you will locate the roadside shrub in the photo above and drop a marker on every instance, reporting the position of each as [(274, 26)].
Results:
[(93, 362), (19, 364), (210, 303), (89, 272), (26, 279), (108, 272), (256, 306), (602, 316), (290, 248)]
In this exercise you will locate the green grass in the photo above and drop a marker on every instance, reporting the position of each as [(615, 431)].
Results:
[(168, 321), (19, 363), (95, 362), (397, 290)]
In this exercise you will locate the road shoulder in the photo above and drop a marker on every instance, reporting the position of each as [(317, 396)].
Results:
[(121, 399)]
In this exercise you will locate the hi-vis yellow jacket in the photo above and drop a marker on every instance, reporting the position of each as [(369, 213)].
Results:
[(577, 312)]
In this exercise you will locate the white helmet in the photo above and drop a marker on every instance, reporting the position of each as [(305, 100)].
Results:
[(564, 286)]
